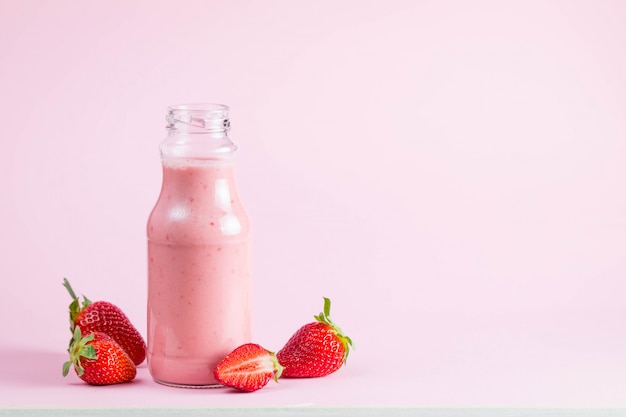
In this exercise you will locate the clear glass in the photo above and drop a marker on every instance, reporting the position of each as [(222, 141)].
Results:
[(199, 251)]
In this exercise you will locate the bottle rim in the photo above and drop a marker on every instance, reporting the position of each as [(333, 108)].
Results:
[(199, 108), (198, 117)]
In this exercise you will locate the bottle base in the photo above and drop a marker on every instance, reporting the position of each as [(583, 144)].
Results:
[(183, 372), (190, 386)]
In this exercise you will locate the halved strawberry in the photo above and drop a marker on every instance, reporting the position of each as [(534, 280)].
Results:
[(316, 349), (248, 368)]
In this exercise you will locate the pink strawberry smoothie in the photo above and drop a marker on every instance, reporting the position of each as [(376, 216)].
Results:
[(199, 273)]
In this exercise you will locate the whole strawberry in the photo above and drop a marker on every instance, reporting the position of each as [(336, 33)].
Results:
[(102, 316), (248, 368), (99, 360), (316, 349)]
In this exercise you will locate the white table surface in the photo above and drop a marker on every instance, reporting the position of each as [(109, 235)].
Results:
[(315, 411)]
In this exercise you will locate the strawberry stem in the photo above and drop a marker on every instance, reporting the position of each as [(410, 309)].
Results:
[(67, 285), (324, 317), (75, 306)]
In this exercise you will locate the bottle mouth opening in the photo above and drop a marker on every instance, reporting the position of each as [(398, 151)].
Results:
[(200, 108), (199, 117)]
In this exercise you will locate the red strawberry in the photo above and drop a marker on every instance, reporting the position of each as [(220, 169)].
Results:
[(316, 349), (248, 368), (102, 316), (99, 360)]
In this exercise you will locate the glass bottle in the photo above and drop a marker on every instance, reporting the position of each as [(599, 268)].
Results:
[(199, 251)]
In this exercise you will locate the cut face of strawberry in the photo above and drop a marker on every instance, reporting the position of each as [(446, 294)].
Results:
[(248, 368)]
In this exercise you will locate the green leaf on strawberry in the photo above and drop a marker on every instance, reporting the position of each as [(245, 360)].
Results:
[(80, 347)]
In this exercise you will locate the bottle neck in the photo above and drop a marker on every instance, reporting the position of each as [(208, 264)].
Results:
[(198, 132), (198, 118)]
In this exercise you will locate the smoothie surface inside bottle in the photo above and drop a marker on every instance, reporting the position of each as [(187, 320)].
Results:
[(199, 251)]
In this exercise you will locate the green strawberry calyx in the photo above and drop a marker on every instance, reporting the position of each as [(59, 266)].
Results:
[(324, 317), (75, 306), (278, 368), (80, 348)]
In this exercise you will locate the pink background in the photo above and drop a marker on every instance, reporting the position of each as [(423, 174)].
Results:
[(451, 174)]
